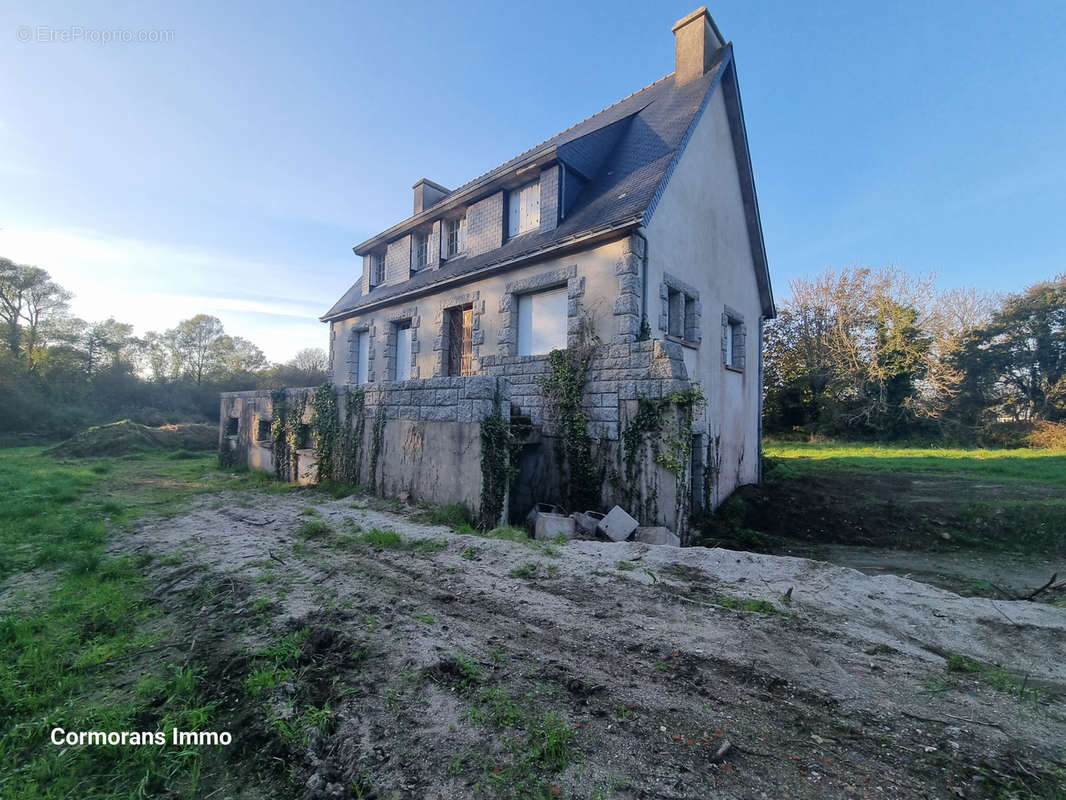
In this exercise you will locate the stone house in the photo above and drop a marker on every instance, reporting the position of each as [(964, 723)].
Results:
[(633, 236)]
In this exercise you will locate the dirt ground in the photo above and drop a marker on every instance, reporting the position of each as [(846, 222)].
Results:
[(836, 686)]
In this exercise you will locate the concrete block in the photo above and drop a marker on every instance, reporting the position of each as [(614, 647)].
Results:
[(617, 525), (657, 535), (548, 526), (586, 523)]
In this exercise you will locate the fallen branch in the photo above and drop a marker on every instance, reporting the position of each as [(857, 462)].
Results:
[(1033, 595), (279, 559), (952, 716), (713, 605)]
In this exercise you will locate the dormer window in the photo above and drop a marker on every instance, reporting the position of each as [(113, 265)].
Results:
[(419, 251), (455, 242), (523, 209), (377, 269)]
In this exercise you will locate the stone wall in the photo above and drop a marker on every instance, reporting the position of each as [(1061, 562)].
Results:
[(619, 376), (427, 432)]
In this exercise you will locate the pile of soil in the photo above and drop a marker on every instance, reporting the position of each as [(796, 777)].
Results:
[(121, 438)]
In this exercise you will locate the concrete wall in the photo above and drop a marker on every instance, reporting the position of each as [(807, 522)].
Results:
[(698, 235)]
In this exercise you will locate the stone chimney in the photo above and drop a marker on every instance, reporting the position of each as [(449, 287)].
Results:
[(427, 193), (696, 39)]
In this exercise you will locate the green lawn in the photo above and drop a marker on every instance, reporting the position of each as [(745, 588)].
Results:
[(1039, 466), (75, 625)]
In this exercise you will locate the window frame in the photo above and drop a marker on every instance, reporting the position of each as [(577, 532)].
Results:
[(454, 236), (377, 269), (734, 340), (419, 251)]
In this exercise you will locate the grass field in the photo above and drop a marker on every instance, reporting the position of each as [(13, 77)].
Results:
[(898, 497), (1041, 466), (76, 624)]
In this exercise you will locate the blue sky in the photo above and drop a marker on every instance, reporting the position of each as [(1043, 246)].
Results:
[(231, 169)]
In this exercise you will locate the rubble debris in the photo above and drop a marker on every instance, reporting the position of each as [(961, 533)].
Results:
[(540, 508), (587, 522), (617, 525), (549, 526), (657, 535)]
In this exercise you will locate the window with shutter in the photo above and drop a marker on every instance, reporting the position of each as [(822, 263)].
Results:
[(403, 352), (542, 320), (362, 356), (523, 209)]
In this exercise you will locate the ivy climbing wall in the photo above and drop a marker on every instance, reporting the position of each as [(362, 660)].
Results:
[(595, 427), (418, 440)]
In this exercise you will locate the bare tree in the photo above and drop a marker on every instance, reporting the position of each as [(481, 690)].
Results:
[(310, 360)]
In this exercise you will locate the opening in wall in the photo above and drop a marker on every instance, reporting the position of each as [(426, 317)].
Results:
[(262, 431), (233, 426)]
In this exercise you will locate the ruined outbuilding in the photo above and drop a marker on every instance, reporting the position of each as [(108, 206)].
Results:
[(580, 325)]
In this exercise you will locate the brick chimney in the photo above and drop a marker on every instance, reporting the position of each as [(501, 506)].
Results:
[(427, 193), (696, 39)]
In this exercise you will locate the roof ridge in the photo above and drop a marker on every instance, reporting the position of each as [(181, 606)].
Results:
[(541, 144)]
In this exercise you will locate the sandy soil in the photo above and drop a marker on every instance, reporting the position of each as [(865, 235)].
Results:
[(842, 693)]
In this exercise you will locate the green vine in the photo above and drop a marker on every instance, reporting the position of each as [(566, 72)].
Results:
[(564, 389), (293, 431), (673, 452), (279, 440), (645, 426), (227, 456), (375, 446), (325, 431), (351, 440), (497, 467)]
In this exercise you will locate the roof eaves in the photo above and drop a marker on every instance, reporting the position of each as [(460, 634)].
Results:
[(456, 198), (581, 237)]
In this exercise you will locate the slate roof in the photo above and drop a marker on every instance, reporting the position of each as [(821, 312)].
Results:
[(625, 151)]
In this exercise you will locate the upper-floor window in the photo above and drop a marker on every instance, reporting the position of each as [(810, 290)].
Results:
[(734, 336), (455, 239), (420, 249), (377, 269), (523, 209)]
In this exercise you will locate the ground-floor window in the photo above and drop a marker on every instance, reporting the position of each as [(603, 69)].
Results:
[(403, 351), (460, 339), (362, 357), (542, 320)]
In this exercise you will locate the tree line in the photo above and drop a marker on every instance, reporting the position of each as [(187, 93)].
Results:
[(881, 354), (59, 373)]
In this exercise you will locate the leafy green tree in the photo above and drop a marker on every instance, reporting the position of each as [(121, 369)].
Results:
[(29, 300), (1015, 366)]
